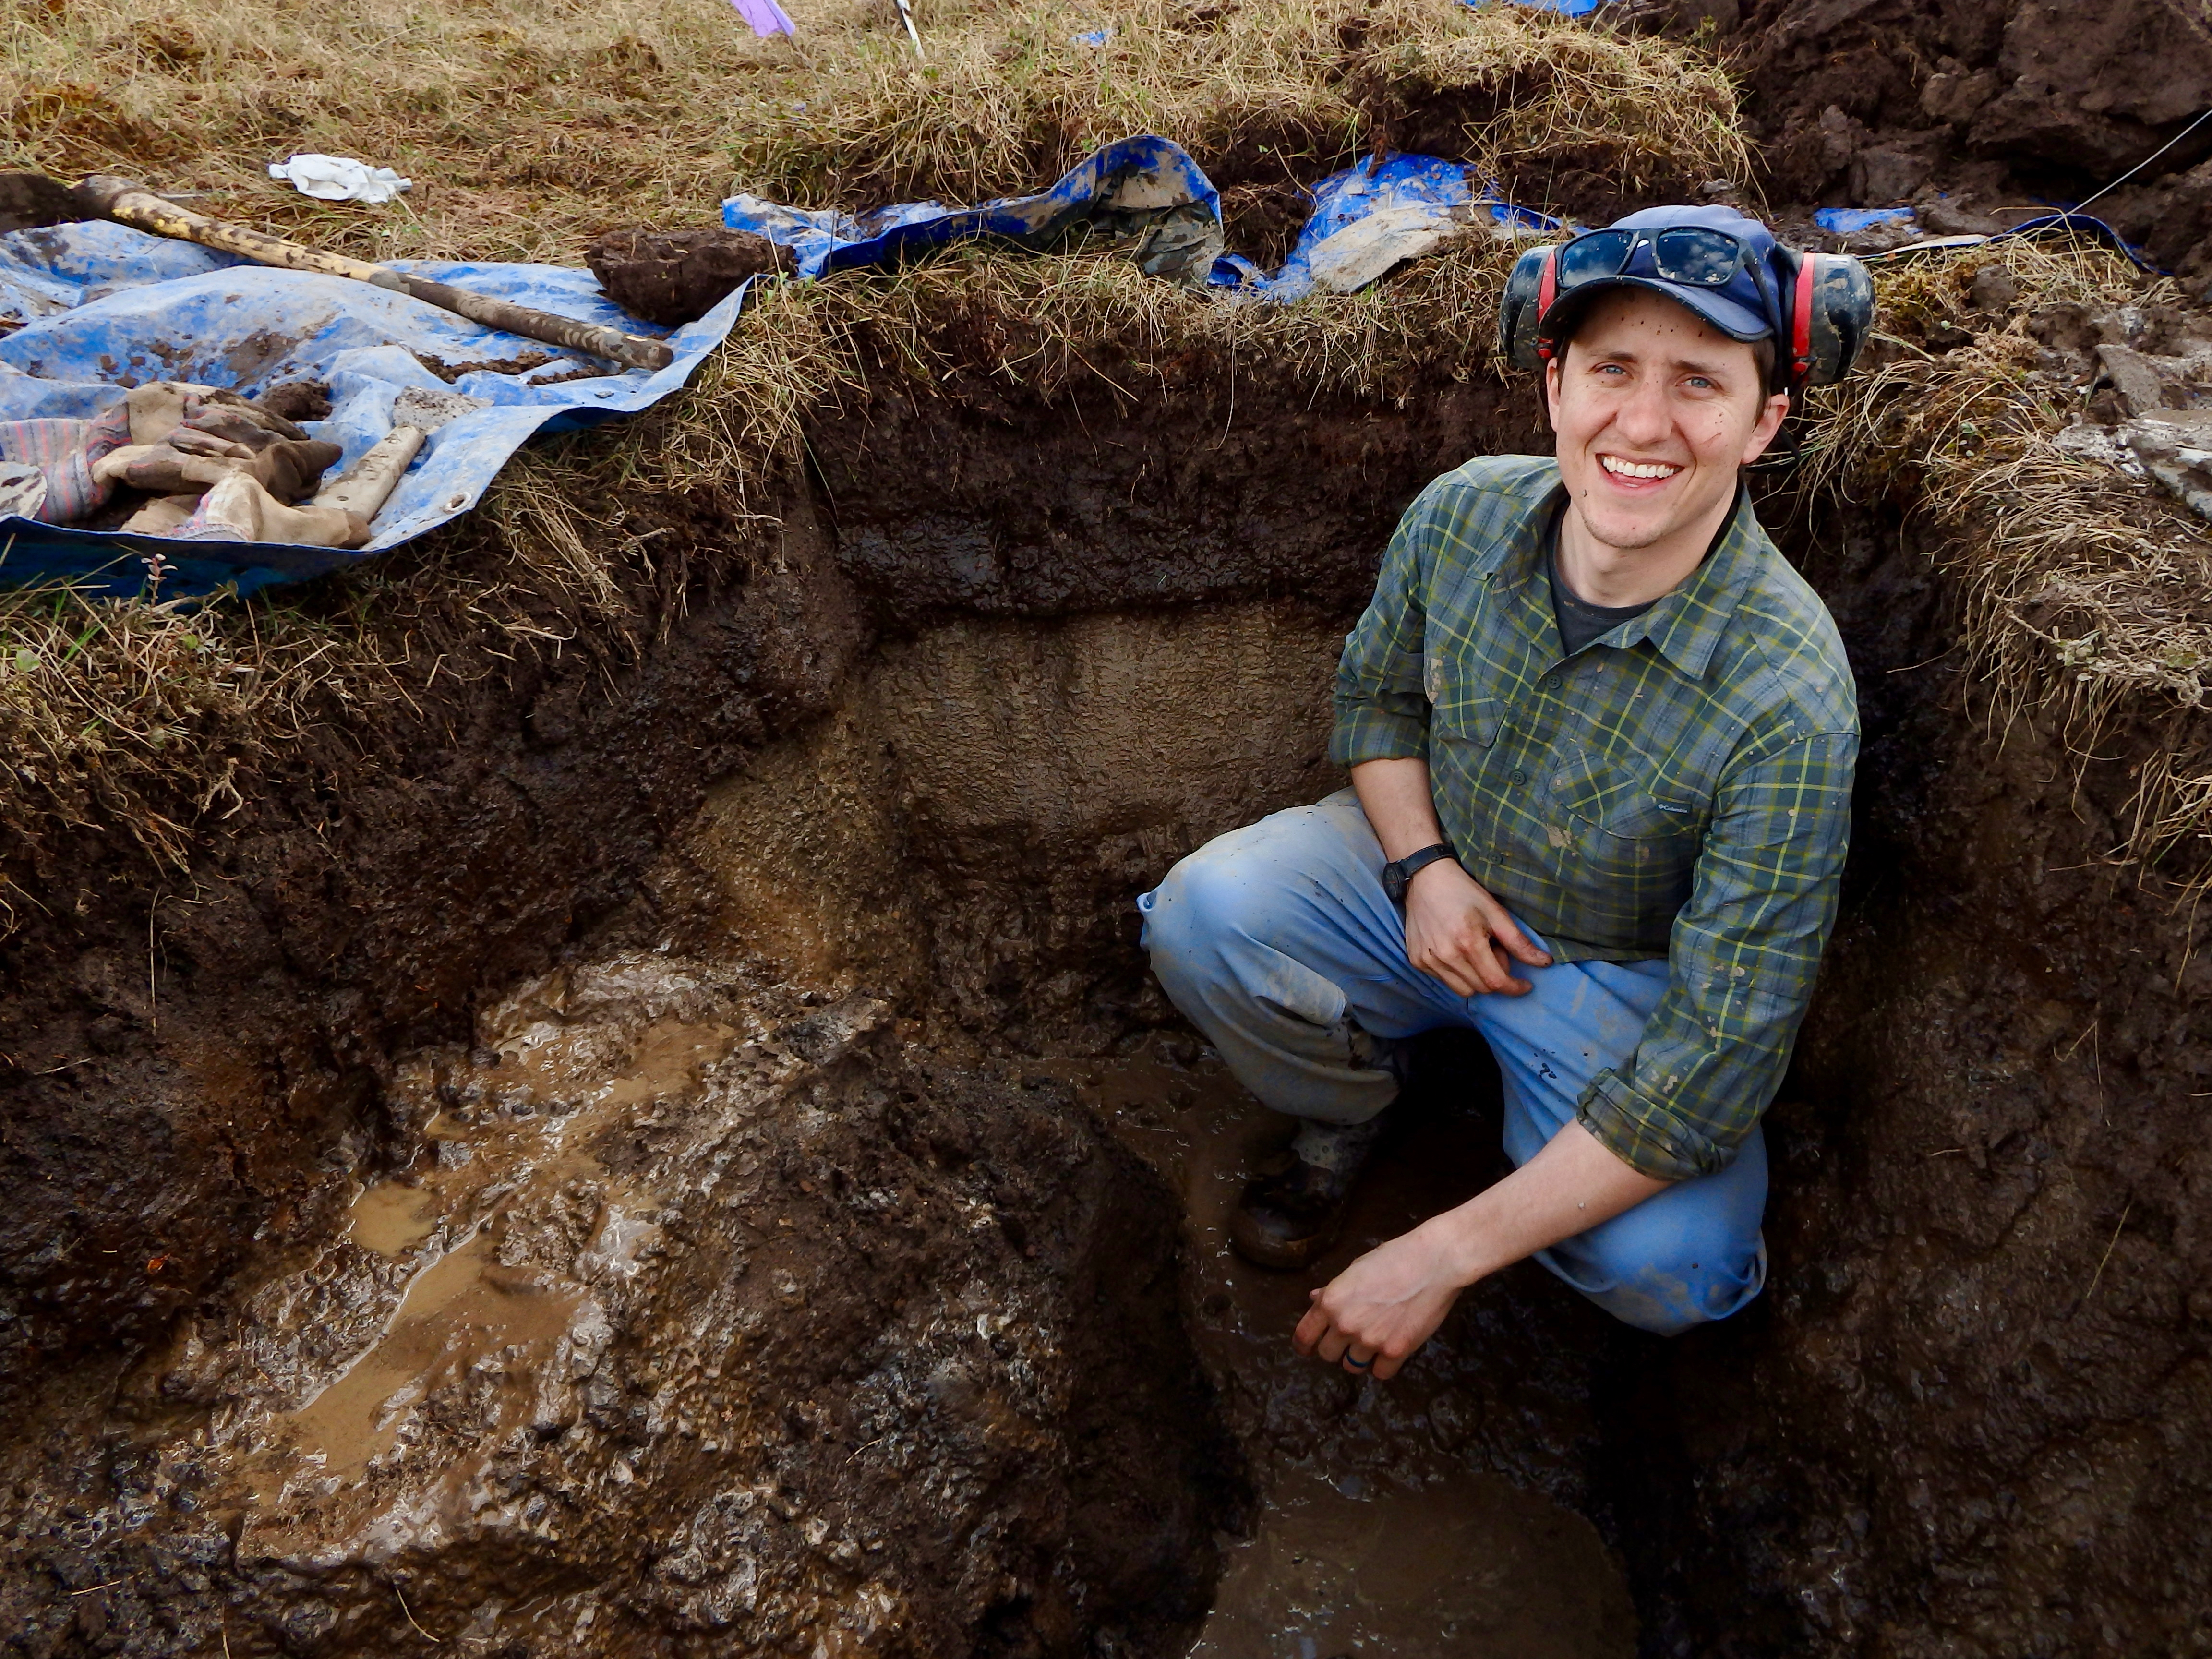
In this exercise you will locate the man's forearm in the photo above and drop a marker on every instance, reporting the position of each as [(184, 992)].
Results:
[(1394, 795), (1573, 1184), (1391, 1300)]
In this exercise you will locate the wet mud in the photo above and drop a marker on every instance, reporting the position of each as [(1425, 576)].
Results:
[(711, 1310), (1387, 1523)]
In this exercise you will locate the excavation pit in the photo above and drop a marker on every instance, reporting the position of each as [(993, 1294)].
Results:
[(466, 1115)]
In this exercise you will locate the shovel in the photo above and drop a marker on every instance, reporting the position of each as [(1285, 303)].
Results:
[(30, 199)]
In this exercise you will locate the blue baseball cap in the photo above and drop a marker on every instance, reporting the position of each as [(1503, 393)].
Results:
[(1747, 306)]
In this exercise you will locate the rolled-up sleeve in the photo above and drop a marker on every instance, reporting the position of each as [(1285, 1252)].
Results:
[(1743, 958), (1381, 705)]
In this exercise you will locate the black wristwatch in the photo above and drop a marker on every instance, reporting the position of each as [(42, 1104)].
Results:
[(1399, 876)]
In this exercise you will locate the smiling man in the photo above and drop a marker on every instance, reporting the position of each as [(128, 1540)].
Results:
[(1601, 737)]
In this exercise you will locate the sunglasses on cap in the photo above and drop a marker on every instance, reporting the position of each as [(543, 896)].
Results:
[(1691, 254)]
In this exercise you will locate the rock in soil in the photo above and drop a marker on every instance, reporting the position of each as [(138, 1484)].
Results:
[(677, 277)]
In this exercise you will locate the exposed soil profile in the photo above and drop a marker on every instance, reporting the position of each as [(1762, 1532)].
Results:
[(673, 1150), (823, 887)]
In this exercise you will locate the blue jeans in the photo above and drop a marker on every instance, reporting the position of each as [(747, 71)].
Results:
[(1278, 941)]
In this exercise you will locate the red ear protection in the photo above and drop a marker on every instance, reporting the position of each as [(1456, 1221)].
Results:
[(1547, 289), (1801, 326)]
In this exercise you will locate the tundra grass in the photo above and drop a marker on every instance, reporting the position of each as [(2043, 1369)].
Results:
[(2086, 595)]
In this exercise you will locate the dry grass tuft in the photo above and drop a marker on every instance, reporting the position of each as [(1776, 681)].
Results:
[(1265, 93), (145, 717), (2086, 593)]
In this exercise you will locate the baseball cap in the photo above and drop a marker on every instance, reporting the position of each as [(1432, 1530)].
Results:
[(1746, 305)]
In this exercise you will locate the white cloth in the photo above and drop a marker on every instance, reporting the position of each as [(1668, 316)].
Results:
[(340, 179)]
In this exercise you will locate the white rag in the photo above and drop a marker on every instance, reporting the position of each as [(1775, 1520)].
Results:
[(340, 179)]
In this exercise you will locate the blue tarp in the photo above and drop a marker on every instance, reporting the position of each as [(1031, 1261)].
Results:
[(1146, 186), (1142, 185), (1847, 221), (109, 307), (1417, 191)]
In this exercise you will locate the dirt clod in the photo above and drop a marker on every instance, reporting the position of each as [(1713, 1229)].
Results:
[(677, 277), (298, 400)]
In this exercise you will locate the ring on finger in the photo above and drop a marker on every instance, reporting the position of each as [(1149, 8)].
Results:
[(1356, 1365)]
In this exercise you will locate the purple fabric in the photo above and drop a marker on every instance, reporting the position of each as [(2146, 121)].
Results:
[(766, 16), (66, 451)]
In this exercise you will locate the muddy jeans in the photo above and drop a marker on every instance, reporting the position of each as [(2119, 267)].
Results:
[(1278, 941)]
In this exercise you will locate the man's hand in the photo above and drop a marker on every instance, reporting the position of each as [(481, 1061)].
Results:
[(1454, 931), (1457, 933), (1381, 1308)]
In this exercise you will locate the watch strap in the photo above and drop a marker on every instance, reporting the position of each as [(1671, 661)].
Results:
[(1398, 877)]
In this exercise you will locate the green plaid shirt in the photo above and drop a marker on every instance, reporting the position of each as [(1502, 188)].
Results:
[(1680, 787)]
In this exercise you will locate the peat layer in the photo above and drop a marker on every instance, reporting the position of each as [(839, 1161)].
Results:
[(807, 1300)]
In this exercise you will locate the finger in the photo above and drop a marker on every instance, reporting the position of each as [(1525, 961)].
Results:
[(1357, 1364), (1436, 965), (1310, 1330), (1491, 967), (1508, 933), (1385, 1368)]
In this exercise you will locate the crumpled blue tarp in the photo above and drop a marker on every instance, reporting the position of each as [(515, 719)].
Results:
[(1140, 185), (1419, 192), (2065, 222), (1149, 185), (109, 307)]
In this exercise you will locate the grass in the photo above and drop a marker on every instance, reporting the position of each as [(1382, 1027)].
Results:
[(529, 127), (146, 718), (2086, 594)]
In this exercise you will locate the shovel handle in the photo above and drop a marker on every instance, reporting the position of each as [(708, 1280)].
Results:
[(638, 350), (131, 203)]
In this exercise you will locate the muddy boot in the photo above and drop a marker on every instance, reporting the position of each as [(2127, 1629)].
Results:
[(1292, 1211)]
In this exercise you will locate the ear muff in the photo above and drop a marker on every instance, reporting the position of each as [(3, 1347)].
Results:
[(1831, 314), (1528, 294)]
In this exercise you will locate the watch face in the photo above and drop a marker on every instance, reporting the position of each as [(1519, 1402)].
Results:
[(1394, 883)]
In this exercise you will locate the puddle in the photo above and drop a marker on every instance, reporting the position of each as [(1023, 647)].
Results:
[(1469, 1569), (516, 1152), (461, 1309), (1377, 1534), (392, 1219)]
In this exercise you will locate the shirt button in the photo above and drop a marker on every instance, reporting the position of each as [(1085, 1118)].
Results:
[(1519, 776), (1551, 682)]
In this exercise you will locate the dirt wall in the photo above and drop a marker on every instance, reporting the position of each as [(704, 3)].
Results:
[(1973, 107)]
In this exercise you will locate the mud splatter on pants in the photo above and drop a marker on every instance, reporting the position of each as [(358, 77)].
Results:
[(1277, 940)]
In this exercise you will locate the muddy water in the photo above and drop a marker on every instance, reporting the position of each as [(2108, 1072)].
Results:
[(448, 1304), (1376, 1536)]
